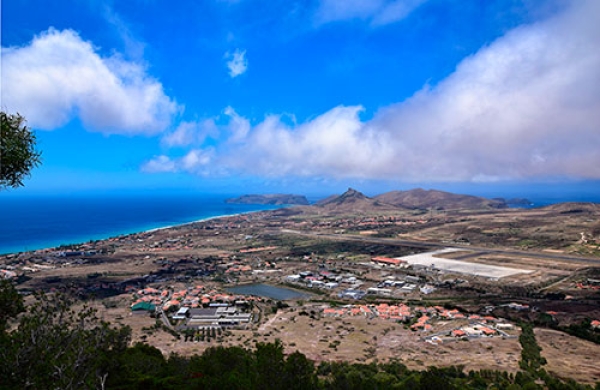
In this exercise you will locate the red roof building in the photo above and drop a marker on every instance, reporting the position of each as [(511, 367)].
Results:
[(387, 261)]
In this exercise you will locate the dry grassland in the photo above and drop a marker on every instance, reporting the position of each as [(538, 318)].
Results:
[(569, 356), (367, 340), (335, 339)]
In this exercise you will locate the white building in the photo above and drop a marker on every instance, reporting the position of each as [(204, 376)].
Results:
[(181, 313), (427, 289), (379, 291)]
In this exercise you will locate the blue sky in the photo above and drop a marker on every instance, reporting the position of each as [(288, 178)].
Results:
[(306, 96)]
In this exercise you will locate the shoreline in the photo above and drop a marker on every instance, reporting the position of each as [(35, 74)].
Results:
[(135, 231), (195, 221)]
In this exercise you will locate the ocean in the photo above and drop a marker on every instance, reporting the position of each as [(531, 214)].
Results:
[(43, 221), (36, 221)]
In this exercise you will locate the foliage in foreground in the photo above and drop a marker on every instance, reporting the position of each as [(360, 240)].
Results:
[(18, 155), (54, 346)]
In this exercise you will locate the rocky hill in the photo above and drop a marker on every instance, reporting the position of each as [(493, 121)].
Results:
[(350, 196), (438, 200), (353, 201)]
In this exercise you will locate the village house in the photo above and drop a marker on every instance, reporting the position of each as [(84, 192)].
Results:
[(379, 291), (293, 278), (389, 262), (427, 289)]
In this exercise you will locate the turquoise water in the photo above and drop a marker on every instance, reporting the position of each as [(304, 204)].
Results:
[(36, 221), (43, 221)]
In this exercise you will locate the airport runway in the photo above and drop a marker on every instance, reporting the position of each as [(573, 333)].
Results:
[(477, 251)]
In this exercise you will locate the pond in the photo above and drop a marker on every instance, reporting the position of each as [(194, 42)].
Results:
[(265, 290)]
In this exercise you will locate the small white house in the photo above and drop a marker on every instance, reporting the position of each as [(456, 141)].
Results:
[(181, 313), (316, 284), (379, 291), (293, 278), (505, 326), (427, 289)]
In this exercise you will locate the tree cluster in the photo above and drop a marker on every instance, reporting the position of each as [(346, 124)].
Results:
[(18, 154), (531, 357), (56, 345)]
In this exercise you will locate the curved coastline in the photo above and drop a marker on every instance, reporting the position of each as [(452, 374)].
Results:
[(197, 221), (86, 238)]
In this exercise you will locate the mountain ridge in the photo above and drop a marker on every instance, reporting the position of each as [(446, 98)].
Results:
[(419, 198)]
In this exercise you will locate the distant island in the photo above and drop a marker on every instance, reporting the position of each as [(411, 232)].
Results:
[(270, 199), (516, 201), (398, 289)]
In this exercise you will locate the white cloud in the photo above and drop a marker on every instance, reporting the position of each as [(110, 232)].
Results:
[(159, 164), (335, 10), (526, 106), (195, 161), (239, 127), (237, 64), (191, 133), (59, 76), (378, 12), (195, 133), (394, 11), (335, 143), (133, 46)]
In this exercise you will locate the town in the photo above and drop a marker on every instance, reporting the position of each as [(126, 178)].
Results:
[(356, 287)]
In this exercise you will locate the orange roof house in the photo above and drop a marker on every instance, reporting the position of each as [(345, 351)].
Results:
[(387, 261)]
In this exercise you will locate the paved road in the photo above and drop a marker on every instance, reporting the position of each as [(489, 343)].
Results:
[(165, 320), (433, 246)]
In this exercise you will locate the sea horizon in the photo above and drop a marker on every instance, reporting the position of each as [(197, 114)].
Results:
[(43, 221), (36, 221)]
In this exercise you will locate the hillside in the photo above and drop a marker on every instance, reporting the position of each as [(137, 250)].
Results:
[(439, 200), (573, 208), (353, 201)]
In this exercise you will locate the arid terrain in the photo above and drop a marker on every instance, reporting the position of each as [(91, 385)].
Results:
[(381, 280)]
